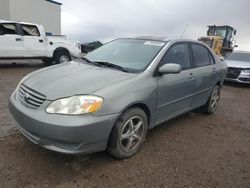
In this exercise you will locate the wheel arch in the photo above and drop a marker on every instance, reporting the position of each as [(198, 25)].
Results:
[(143, 107), (58, 49), (219, 83), (140, 105)]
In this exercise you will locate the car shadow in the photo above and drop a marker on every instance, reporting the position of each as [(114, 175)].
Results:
[(44, 163), (235, 84), (5, 64)]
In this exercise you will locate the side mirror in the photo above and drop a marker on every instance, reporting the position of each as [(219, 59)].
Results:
[(235, 31), (170, 68)]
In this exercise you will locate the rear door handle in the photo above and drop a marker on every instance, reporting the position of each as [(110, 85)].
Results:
[(40, 40), (190, 75), (18, 39)]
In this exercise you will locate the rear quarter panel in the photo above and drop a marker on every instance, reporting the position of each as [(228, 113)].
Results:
[(221, 68), (61, 42)]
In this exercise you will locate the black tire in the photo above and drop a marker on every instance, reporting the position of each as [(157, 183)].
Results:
[(121, 135), (213, 100), (62, 57), (48, 61)]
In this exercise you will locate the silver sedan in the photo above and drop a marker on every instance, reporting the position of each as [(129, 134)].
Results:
[(238, 67), (115, 94)]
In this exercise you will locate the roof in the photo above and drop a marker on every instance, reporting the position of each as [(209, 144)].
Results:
[(166, 39), (55, 2), (26, 23), (155, 38), (221, 26)]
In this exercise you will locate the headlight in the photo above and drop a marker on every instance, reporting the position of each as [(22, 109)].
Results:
[(246, 70), (78, 45), (75, 105)]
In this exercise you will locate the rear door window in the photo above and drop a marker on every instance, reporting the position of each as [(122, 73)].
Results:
[(200, 55), (30, 30), (178, 54), (8, 29), (211, 57)]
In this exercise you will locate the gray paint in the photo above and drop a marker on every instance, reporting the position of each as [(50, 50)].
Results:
[(165, 96)]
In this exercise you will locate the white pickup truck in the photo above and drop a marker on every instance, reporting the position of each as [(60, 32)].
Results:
[(19, 40)]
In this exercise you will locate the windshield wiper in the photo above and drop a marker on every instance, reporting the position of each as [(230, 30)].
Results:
[(111, 65), (104, 63), (92, 62)]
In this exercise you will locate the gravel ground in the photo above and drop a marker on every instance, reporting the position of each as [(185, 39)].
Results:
[(193, 150)]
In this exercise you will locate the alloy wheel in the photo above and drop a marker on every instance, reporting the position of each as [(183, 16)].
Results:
[(215, 99), (63, 59), (132, 133)]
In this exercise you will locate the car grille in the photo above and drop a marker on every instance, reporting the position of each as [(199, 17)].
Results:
[(30, 97), (233, 73)]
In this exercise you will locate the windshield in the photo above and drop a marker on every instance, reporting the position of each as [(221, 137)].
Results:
[(240, 57), (131, 54), (221, 32)]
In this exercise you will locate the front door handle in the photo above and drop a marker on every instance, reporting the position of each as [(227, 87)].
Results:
[(214, 70), (190, 75), (18, 39)]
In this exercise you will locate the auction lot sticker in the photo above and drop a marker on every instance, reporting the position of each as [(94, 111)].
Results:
[(154, 43)]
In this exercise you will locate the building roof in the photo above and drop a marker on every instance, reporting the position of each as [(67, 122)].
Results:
[(55, 2)]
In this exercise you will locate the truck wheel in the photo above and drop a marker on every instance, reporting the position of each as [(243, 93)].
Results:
[(48, 61), (213, 101), (128, 133), (62, 57)]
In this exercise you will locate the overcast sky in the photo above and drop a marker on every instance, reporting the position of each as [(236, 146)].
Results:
[(90, 20)]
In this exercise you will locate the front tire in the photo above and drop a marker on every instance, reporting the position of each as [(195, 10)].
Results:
[(213, 101), (62, 57), (128, 133)]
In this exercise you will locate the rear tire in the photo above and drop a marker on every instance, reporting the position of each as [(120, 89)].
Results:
[(61, 57), (213, 101), (128, 134)]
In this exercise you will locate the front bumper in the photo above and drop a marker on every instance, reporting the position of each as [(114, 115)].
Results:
[(241, 80), (66, 134), (75, 52), (241, 77)]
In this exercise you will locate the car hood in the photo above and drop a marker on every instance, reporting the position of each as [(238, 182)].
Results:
[(238, 64), (73, 78)]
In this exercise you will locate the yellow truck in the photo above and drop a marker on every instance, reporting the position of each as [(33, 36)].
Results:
[(220, 39)]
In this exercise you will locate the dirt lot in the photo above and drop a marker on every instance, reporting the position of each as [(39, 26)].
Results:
[(193, 150)]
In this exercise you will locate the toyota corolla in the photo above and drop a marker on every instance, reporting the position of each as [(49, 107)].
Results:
[(109, 99)]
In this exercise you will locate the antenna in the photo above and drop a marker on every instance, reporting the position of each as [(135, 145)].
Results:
[(184, 31)]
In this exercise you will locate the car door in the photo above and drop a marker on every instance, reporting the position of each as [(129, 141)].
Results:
[(175, 90), (34, 44), (204, 73), (11, 44)]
